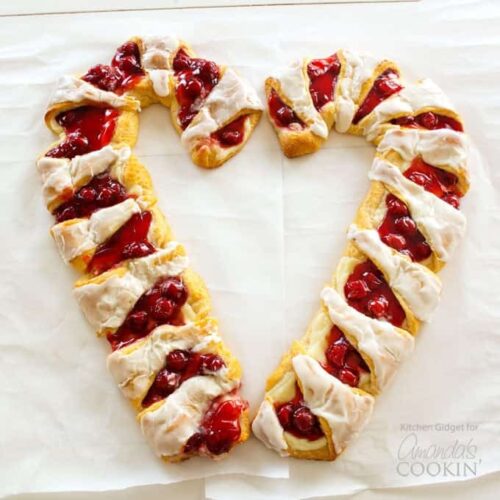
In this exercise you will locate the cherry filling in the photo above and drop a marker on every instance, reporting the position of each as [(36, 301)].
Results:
[(195, 80), (129, 242), (124, 72), (323, 74), (180, 365), (438, 182), (384, 86), (160, 305), (87, 128), (399, 231), (367, 291), (297, 419), (342, 359), (102, 191), (283, 115), (428, 120), (220, 427), (232, 134)]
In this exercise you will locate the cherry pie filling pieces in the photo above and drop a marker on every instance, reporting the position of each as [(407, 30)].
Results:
[(385, 85), (428, 120), (129, 242), (282, 114), (87, 128), (159, 305), (195, 79), (124, 72), (102, 191), (297, 419), (220, 427), (323, 75), (180, 365)]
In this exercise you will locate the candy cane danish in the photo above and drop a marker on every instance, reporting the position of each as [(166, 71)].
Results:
[(137, 290), (407, 227)]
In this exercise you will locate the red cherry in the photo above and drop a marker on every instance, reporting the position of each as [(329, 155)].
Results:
[(231, 137), (223, 429), (66, 118), (105, 197), (395, 206), (356, 289), (135, 249), (104, 77), (387, 86), (303, 419), (420, 178), (166, 381), (372, 280), (405, 225), (75, 144), (336, 353), (129, 64), (211, 363), (128, 48), (395, 241), (428, 120), (448, 179), (137, 320), (354, 361), (164, 309), (452, 199), (181, 61), (284, 413), (378, 306), (406, 121), (87, 194), (348, 377), (66, 214), (285, 115), (209, 72), (194, 442), (177, 360), (193, 88), (174, 289), (422, 251)]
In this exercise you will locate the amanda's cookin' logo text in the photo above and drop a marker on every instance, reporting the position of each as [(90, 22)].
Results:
[(440, 455)]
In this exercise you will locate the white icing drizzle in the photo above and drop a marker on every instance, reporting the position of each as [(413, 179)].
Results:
[(409, 101), (266, 427), (106, 303), (345, 410), (60, 175), (419, 287), (73, 89), (168, 426), (156, 60), (76, 236), (440, 148), (295, 87), (135, 367), (157, 51), (442, 224), (230, 96), (359, 68), (386, 345), (161, 81)]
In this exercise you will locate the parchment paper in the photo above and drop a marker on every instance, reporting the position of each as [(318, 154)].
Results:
[(264, 232)]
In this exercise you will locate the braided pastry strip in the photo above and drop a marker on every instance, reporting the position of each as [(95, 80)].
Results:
[(406, 228), (137, 290)]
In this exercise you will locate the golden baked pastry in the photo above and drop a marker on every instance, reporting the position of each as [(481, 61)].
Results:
[(407, 227), (137, 290)]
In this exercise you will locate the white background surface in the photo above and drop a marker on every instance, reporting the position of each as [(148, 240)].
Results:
[(263, 231)]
